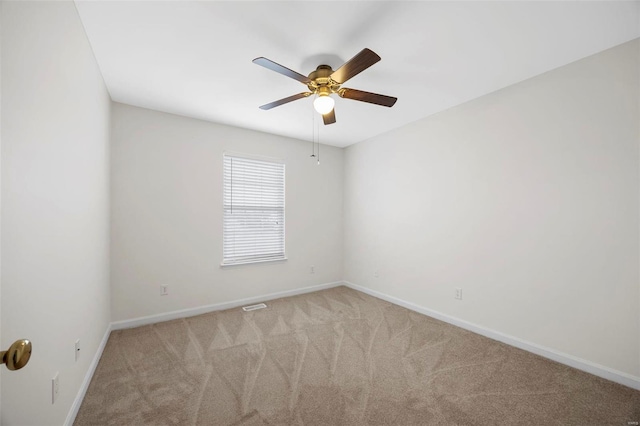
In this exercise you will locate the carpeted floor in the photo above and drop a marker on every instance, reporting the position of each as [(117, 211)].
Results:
[(337, 357)]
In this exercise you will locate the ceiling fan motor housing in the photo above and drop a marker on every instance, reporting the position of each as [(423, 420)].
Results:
[(321, 82)]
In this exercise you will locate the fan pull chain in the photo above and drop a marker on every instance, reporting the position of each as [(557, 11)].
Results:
[(313, 132), (316, 123), (318, 143)]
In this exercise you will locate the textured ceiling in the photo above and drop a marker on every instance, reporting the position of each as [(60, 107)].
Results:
[(194, 58)]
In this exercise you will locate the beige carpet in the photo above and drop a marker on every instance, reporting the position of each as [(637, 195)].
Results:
[(337, 357)]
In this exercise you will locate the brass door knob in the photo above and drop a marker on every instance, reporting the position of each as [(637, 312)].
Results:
[(18, 354)]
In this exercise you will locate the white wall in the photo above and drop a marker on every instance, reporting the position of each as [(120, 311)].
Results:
[(526, 198), (1, 203), (166, 214), (55, 206)]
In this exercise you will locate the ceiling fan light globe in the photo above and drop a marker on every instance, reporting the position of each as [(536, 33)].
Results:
[(324, 104)]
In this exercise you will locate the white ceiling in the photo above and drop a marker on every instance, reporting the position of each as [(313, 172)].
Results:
[(194, 58)]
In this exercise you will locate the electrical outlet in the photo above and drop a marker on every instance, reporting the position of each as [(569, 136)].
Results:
[(164, 290), (312, 269), (55, 388), (77, 348), (458, 293)]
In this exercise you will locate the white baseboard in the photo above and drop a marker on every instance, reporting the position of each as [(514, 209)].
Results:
[(152, 319), (73, 412), (566, 359)]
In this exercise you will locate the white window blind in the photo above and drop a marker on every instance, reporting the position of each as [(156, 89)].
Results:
[(253, 210)]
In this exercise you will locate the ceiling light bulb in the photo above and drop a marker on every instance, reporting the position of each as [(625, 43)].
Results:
[(324, 104)]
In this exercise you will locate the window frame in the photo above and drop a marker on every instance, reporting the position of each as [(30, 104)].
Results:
[(257, 260)]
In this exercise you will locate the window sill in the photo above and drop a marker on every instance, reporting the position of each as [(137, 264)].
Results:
[(252, 262)]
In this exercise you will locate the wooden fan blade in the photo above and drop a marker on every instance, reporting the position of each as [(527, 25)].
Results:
[(355, 66), (330, 117), (285, 100), (372, 98), (269, 64)]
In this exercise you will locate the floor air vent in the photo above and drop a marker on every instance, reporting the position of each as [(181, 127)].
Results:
[(254, 307)]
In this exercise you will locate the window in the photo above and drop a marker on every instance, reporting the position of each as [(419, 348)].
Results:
[(253, 210)]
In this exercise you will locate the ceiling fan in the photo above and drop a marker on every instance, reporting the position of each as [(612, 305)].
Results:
[(324, 81)]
